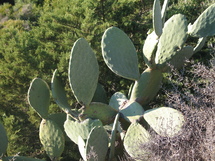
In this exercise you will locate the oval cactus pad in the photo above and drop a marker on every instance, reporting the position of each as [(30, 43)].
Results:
[(39, 97), (83, 71), (59, 93), (136, 135), (172, 39), (165, 121), (52, 138), (205, 24), (119, 53)]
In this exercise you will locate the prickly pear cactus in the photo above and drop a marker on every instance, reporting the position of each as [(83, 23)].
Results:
[(3, 140), (52, 138)]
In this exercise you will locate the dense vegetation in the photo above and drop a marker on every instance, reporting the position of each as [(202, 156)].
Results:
[(36, 38)]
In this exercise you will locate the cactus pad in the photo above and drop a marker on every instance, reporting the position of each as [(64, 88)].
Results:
[(59, 93), (97, 143), (117, 99), (100, 95), (149, 49), (119, 53), (157, 20), (146, 88), (83, 71), (52, 138), (172, 40), (136, 135), (39, 97), (132, 111), (74, 129), (100, 111), (200, 44), (3, 140), (165, 121), (179, 59), (113, 137), (205, 24)]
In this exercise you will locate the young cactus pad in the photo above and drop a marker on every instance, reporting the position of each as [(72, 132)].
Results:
[(96, 146), (52, 138), (205, 24), (165, 121), (119, 53), (146, 88), (83, 71), (39, 97), (136, 135), (3, 140), (74, 129)]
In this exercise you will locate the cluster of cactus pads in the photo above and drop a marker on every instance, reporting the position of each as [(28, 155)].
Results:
[(97, 125)]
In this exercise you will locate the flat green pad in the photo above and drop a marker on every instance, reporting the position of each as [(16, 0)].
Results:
[(200, 44), (3, 140), (59, 119), (97, 142), (179, 59), (172, 39), (149, 49), (136, 136), (119, 53), (132, 111), (100, 95), (58, 92), (39, 97), (83, 71), (52, 138), (157, 20), (146, 88), (165, 121), (117, 99), (74, 129), (100, 111), (113, 137), (205, 24), (20, 158)]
